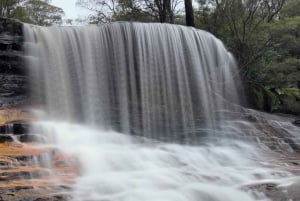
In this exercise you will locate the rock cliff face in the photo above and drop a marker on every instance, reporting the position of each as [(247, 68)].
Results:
[(13, 78)]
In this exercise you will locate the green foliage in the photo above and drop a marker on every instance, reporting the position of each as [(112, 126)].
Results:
[(43, 13), (263, 98), (133, 15), (285, 73), (285, 100), (291, 9), (21, 14), (7, 7), (265, 39), (242, 25), (39, 12), (104, 11)]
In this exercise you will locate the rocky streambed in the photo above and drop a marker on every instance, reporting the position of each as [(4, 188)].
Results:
[(31, 169)]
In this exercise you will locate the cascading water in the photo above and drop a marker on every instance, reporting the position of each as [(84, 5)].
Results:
[(148, 79), (96, 85)]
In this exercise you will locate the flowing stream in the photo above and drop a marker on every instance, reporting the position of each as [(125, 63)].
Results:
[(152, 112)]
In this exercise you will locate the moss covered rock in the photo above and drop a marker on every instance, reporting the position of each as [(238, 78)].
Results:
[(283, 100), (263, 98)]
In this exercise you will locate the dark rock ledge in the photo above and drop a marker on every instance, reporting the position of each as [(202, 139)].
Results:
[(13, 74)]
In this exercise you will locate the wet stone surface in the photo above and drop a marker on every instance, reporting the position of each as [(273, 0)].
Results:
[(13, 77), (297, 122), (31, 169)]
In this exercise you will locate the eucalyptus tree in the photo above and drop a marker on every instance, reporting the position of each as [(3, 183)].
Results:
[(137, 10), (41, 12)]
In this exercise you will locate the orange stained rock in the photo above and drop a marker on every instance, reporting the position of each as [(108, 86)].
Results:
[(13, 114), (42, 182), (5, 159), (63, 171), (20, 149), (70, 169)]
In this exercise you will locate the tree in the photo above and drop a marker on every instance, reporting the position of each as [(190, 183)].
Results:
[(189, 13), (7, 7), (243, 25), (290, 9), (161, 10), (21, 13), (41, 12), (137, 10)]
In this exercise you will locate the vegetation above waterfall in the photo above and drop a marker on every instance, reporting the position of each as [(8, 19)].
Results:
[(39, 12)]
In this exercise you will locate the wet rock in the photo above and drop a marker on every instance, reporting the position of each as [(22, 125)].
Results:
[(297, 122), (276, 193), (8, 176), (15, 127), (15, 114), (13, 89), (54, 198), (20, 127), (11, 27), (13, 74), (6, 138), (31, 138), (292, 192), (29, 179), (30, 171), (33, 194), (270, 190), (11, 46)]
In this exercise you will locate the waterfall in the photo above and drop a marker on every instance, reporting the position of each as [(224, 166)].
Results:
[(93, 86), (146, 79)]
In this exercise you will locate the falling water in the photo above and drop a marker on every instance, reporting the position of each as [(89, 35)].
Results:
[(164, 84), (146, 79)]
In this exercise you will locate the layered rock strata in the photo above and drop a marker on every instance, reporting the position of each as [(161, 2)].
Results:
[(13, 77)]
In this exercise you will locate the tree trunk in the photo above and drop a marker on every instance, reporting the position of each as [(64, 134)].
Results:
[(170, 16), (189, 13)]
